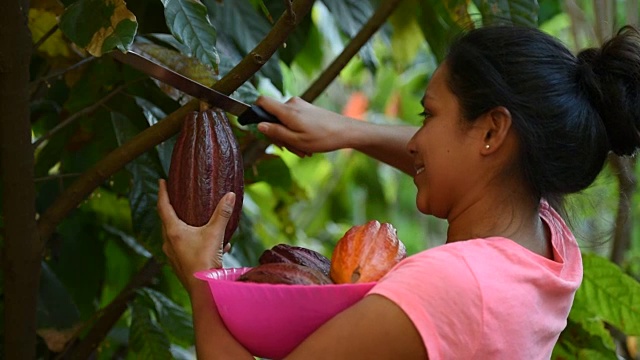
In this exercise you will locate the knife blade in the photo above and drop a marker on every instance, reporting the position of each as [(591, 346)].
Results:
[(247, 114)]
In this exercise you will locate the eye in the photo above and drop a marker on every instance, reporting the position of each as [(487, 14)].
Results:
[(425, 115)]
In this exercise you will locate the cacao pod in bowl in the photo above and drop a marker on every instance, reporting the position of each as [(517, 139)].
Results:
[(270, 320)]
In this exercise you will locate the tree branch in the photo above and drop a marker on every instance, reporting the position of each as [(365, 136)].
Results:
[(368, 29), (278, 35), (44, 37), (163, 130), (22, 251), (627, 184)]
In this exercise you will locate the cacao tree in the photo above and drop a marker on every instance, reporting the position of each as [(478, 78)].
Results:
[(85, 139)]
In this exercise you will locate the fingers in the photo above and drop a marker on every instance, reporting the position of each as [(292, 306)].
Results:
[(274, 107), (165, 210)]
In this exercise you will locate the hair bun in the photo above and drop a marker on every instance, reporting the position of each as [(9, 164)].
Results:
[(611, 77)]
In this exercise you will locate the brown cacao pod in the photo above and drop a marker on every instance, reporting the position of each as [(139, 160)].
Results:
[(205, 165), (365, 253), (285, 273), (284, 253)]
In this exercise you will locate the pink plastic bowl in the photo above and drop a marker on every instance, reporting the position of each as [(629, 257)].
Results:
[(270, 320)]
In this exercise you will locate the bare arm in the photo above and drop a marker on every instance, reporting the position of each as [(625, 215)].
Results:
[(307, 129), (374, 328), (190, 249)]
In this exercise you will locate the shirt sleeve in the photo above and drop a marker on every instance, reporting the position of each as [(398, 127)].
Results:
[(440, 294)]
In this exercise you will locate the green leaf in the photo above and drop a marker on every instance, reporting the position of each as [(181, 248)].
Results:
[(578, 342), (56, 308), (272, 170), (439, 23), (188, 22), (407, 38), (174, 320), (609, 294), (145, 170), (146, 338), (99, 26), (243, 26), (519, 12), (350, 16), (78, 258)]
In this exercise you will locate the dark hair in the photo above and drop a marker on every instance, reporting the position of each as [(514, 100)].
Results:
[(569, 112)]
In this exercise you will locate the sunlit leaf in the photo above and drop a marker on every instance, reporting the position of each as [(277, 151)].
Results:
[(609, 294), (187, 66), (99, 26), (189, 23), (146, 338), (40, 22)]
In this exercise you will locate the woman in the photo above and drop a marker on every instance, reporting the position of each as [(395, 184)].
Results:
[(512, 123)]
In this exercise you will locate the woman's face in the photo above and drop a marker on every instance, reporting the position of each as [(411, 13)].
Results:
[(445, 151)]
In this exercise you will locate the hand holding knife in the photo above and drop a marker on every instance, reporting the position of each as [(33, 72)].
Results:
[(247, 114)]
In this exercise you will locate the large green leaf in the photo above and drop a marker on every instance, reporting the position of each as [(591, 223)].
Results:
[(146, 338), (188, 22), (56, 308), (174, 320), (350, 16), (99, 25), (520, 12), (245, 27), (145, 171), (440, 22), (580, 343), (609, 294)]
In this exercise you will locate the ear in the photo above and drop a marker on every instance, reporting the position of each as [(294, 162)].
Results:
[(495, 125)]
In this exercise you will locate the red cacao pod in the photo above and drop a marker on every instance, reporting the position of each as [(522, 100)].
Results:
[(365, 253), (285, 273), (284, 253), (205, 165)]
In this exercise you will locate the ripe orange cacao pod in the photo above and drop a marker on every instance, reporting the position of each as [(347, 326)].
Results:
[(284, 253), (205, 165), (365, 253), (285, 273)]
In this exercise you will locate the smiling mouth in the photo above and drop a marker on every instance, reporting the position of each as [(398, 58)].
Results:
[(419, 169)]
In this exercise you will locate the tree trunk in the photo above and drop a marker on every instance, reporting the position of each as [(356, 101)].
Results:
[(21, 254)]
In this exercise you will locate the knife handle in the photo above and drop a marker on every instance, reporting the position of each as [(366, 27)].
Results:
[(256, 114)]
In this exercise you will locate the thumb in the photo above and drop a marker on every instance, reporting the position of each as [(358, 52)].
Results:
[(223, 211)]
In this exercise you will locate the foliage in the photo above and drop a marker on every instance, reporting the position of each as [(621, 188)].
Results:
[(85, 105)]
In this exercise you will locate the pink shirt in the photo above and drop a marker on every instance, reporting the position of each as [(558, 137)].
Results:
[(488, 298)]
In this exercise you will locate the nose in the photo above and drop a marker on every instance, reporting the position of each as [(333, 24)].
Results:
[(411, 146)]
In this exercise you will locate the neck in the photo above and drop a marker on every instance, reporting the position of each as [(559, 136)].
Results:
[(513, 215)]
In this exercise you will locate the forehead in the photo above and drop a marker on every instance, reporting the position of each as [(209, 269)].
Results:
[(438, 87)]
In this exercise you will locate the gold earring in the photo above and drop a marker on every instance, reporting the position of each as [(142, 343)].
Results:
[(487, 146)]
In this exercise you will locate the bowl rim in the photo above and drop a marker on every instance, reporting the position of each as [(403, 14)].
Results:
[(203, 275)]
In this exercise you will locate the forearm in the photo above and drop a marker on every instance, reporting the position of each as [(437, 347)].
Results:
[(213, 340), (386, 143)]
